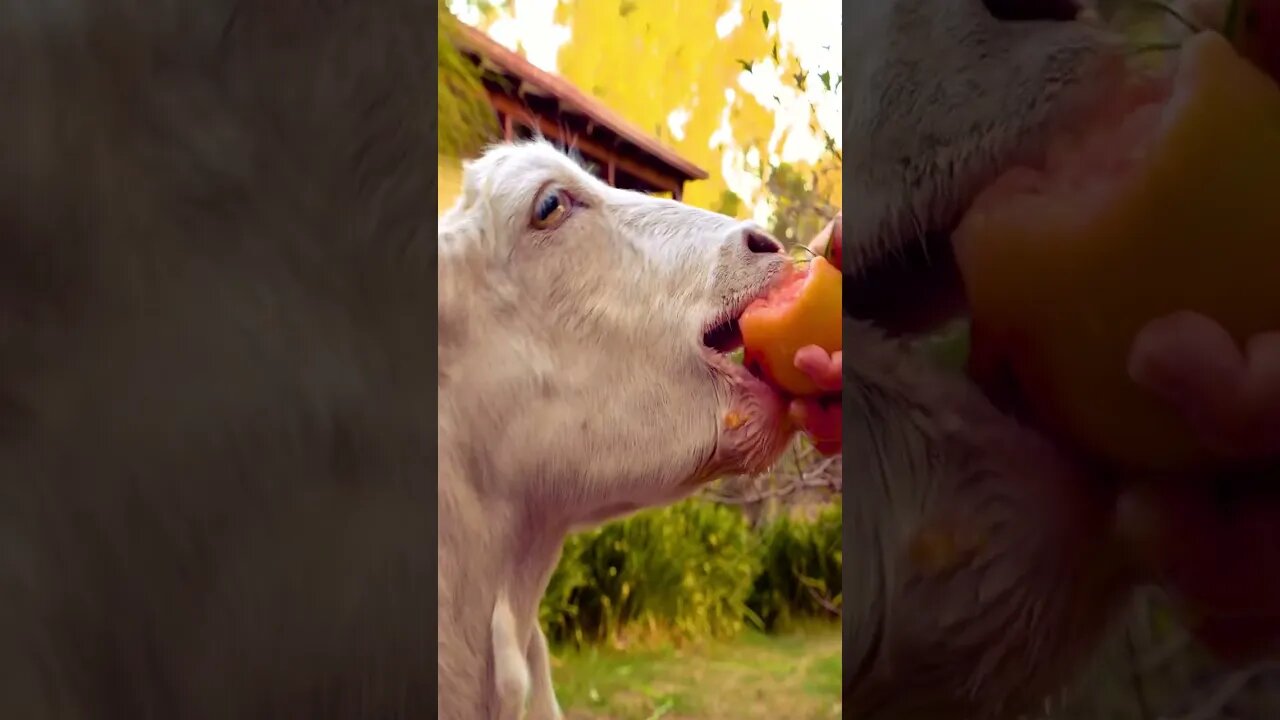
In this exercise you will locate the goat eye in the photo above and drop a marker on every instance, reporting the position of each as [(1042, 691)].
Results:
[(551, 208), (1016, 10)]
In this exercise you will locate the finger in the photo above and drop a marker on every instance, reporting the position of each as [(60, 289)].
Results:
[(826, 370), (1260, 396), (821, 423), (1231, 397), (1262, 358), (798, 413), (1185, 357), (1195, 366)]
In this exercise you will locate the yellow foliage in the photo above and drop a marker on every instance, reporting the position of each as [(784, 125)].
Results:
[(449, 182), (646, 59), (828, 174), (752, 124)]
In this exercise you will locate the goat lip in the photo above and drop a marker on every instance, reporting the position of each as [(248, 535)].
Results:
[(723, 335), (910, 290), (914, 285)]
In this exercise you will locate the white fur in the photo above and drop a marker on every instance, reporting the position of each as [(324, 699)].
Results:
[(542, 698), (522, 673), (573, 387), (510, 668), (944, 96)]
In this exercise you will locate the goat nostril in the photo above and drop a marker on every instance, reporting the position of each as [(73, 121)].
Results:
[(758, 242)]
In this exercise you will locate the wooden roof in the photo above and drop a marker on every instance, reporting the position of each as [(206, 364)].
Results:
[(528, 82)]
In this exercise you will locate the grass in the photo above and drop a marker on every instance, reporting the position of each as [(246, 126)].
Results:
[(752, 677)]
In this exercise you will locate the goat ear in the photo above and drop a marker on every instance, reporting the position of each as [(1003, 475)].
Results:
[(471, 179)]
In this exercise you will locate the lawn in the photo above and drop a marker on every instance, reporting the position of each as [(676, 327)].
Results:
[(752, 677)]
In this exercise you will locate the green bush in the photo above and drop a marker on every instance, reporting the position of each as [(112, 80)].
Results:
[(801, 569), (694, 569), (686, 568)]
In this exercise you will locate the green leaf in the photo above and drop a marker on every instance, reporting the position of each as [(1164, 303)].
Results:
[(815, 583), (825, 77), (764, 18), (746, 65)]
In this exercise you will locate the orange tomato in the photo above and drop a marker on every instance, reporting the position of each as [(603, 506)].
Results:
[(1175, 205), (802, 310)]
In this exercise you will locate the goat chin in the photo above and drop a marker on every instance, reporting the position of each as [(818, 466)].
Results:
[(979, 573)]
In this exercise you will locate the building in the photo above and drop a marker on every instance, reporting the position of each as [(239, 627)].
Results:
[(529, 101)]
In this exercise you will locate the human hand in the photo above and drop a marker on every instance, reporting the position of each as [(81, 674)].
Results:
[(820, 416), (1213, 545), (1229, 395)]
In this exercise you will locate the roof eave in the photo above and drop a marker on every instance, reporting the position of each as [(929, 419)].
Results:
[(472, 39)]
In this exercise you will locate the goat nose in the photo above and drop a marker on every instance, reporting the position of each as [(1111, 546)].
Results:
[(758, 241)]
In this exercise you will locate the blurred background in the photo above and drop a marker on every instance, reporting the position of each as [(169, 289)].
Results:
[(726, 605)]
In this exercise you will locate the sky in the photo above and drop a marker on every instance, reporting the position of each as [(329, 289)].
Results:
[(804, 25)]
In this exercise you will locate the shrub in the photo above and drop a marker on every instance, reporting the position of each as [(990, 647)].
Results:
[(801, 569), (686, 568), (694, 569)]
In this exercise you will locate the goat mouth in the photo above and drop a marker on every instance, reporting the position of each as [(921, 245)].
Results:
[(724, 337), (915, 292), (722, 343), (912, 288), (722, 334), (912, 285)]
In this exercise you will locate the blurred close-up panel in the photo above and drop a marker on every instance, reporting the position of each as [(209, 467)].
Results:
[(1062, 395)]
